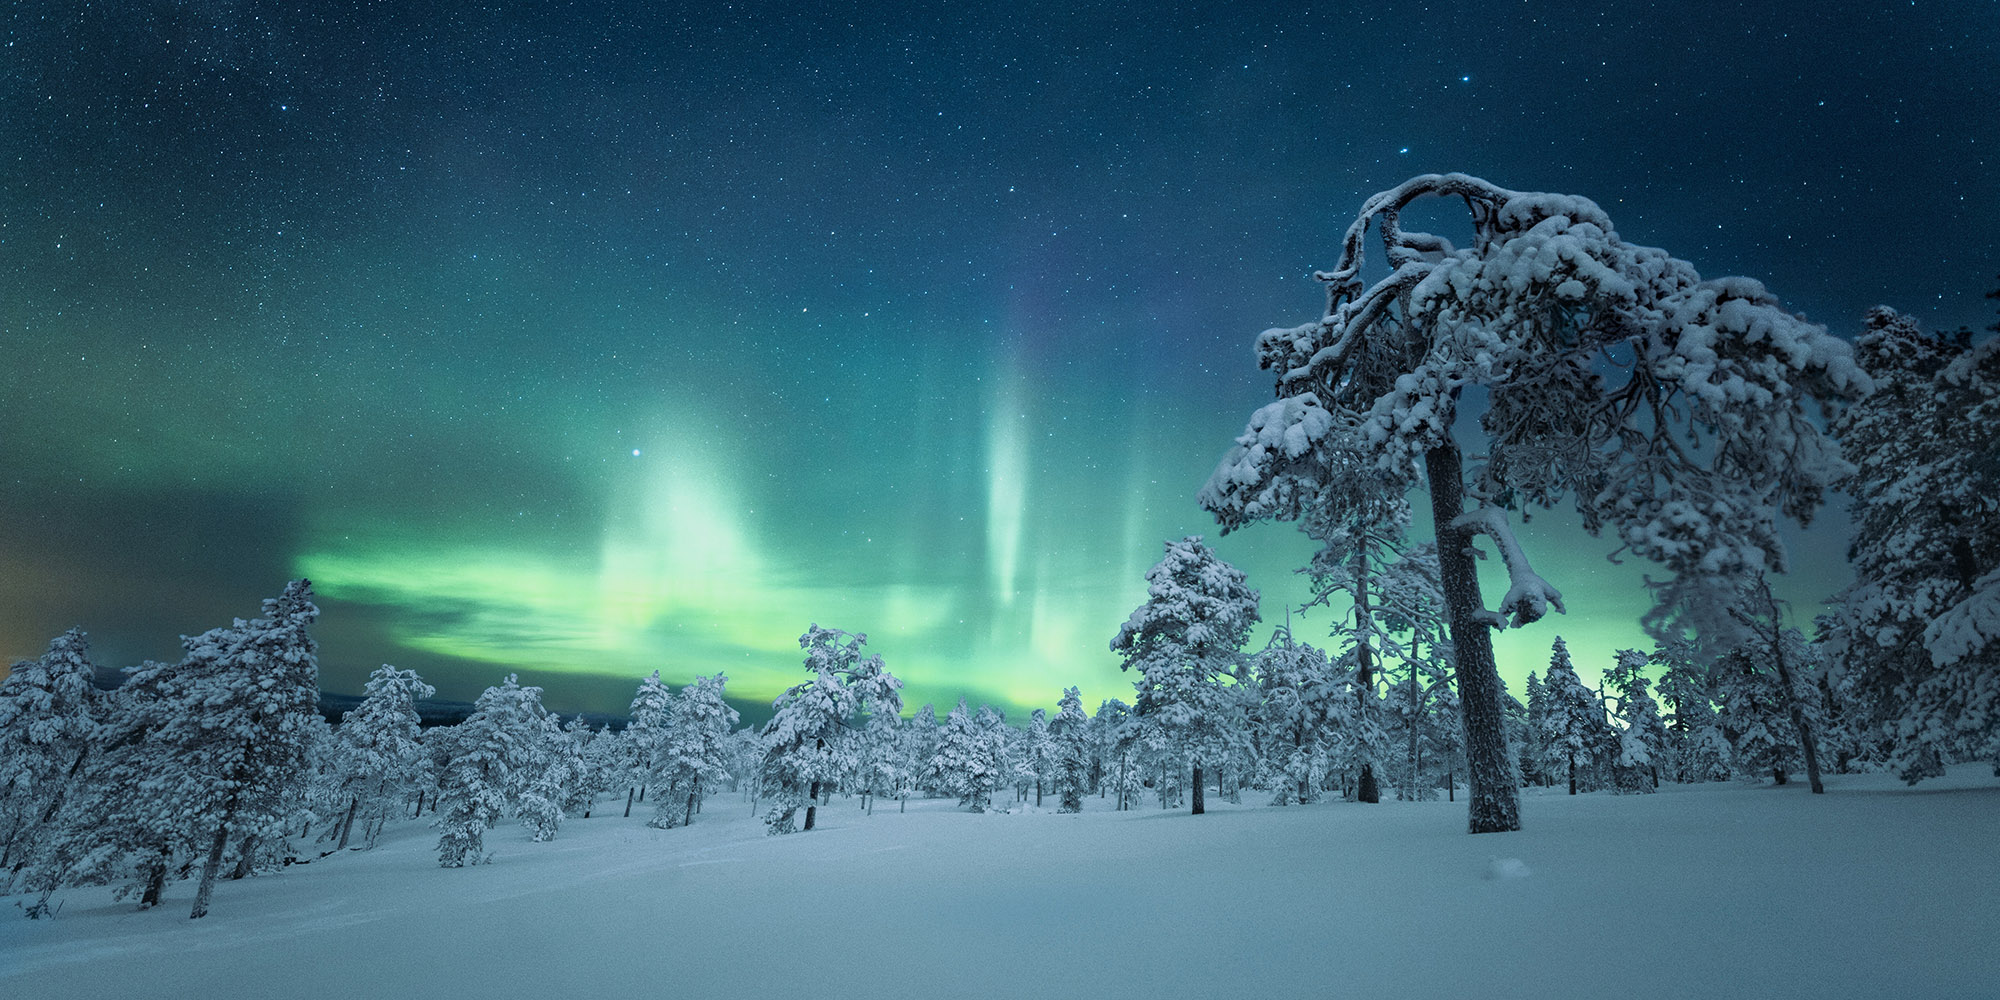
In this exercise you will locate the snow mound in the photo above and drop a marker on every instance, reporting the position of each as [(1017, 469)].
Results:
[(1500, 868)]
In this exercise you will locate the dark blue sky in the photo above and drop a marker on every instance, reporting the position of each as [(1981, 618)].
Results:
[(586, 340)]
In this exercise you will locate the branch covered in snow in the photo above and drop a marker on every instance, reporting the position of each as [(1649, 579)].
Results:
[(1529, 597)]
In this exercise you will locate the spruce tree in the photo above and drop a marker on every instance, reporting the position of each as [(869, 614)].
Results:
[(1570, 720)]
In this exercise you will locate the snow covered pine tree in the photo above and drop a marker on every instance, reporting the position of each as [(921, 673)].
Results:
[(1600, 359), (1183, 642), (809, 745)]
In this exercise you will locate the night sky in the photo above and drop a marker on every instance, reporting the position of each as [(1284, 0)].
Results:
[(588, 340)]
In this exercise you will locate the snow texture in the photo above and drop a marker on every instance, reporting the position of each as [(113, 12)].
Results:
[(1739, 890)]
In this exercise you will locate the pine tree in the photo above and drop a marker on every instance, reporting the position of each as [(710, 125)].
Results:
[(1300, 710), (488, 763), (1040, 752), (1641, 745), (1753, 719), (589, 778), (1069, 750), (378, 759), (50, 714), (1599, 362), (554, 769), (236, 725), (917, 743), (1532, 751), (1569, 720), (966, 763), (1919, 629), (808, 744), (1183, 642), (645, 737), (1700, 751), (697, 750)]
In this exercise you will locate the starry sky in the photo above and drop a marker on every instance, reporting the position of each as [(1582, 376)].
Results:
[(583, 340)]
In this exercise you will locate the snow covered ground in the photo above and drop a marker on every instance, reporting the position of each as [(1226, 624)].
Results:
[(1873, 890)]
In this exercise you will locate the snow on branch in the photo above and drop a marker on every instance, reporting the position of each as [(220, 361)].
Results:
[(1529, 597)]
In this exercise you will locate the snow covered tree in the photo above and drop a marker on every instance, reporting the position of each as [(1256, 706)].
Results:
[(490, 760), (966, 763), (1069, 751), (809, 745), (916, 744), (1357, 513), (1422, 718), (1115, 733), (50, 713), (554, 769), (1700, 751), (1040, 752), (882, 766), (235, 726), (124, 823), (1919, 629), (588, 781), (645, 737), (1786, 654), (378, 759), (1753, 717), (1531, 738), (1670, 410), (1183, 642), (1641, 744), (1300, 707), (697, 750), (1570, 718)]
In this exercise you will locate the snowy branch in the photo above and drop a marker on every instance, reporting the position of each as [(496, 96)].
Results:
[(1529, 597)]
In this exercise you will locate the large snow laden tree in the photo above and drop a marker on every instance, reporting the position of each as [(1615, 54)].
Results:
[(1919, 630), (1183, 642), (232, 725), (1671, 410), (808, 743)]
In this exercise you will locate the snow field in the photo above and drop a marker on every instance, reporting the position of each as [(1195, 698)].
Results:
[(1725, 890)]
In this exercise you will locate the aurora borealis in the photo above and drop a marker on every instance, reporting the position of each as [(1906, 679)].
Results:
[(590, 341)]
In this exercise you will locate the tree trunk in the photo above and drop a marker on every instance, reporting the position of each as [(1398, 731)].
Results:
[(1198, 808), (347, 823), (1038, 793), (694, 792), (1494, 804), (812, 805), (1808, 742), (156, 878), (1572, 773), (244, 858), (1364, 668), (642, 794), (209, 869), (629, 792)]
